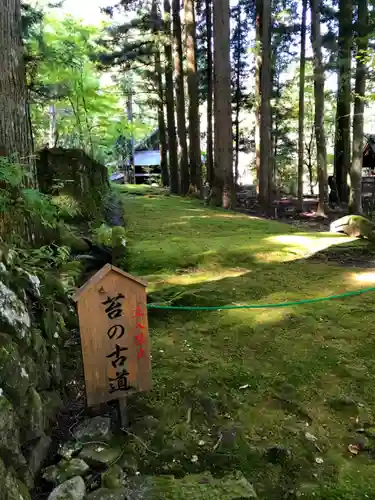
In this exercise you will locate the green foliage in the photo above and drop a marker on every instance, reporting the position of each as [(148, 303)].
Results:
[(19, 204), (110, 236)]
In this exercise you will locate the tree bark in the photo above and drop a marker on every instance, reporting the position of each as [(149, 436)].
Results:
[(161, 123), (52, 136), (15, 132), (210, 102), (193, 110), (355, 205), (223, 189), (342, 134), (265, 177), (321, 150), (237, 63), (301, 105), (180, 99), (169, 94), (160, 91), (258, 92)]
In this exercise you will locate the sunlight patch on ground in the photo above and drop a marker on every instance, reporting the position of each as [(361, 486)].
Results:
[(257, 316), (310, 244), (367, 277), (195, 277)]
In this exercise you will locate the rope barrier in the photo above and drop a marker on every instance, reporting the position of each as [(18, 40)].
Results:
[(263, 306)]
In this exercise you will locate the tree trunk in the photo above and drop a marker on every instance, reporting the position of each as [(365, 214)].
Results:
[(321, 150), (180, 98), (192, 83), (265, 116), (355, 205), (237, 63), (301, 106), (342, 135), (15, 132), (169, 94), (161, 123), (223, 188), (210, 85), (160, 91), (258, 93)]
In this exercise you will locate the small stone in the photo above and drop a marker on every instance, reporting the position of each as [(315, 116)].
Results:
[(319, 460), (64, 470), (74, 489), (310, 437), (67, 450), (113, 478), (94, 429), (129, 465), (107, 494), (99, 455), (278, 454)]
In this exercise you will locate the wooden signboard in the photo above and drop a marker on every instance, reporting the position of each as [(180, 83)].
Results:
[(112, 310)]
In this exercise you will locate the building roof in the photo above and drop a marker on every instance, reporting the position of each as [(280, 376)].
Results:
[(147, 158)]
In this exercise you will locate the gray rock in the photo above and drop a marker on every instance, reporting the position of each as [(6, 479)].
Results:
[(38, 454), (15, 378), (95, 429), (13, 312), (67, 450), (65, 469), (113, 478), (99, 455), (107, 494), (9, 433), (74, 489), (34, 415), (10, 487)]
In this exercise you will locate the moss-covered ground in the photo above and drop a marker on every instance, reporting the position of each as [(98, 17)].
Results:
[(229, 385)]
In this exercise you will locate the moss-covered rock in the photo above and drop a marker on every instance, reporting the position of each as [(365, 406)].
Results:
[(99, 455), (73, 489), (355, 226), (94, 429), (64, 470), (11, 488), (34, 420), (107, 494), (9, 433), (14, 376), (113, 478)]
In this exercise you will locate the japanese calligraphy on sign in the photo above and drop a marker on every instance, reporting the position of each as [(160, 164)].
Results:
[(112, 310)]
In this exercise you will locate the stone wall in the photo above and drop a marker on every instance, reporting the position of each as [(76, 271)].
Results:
[(34, 312)]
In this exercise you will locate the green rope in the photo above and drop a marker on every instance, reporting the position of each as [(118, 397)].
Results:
[(264, 306)]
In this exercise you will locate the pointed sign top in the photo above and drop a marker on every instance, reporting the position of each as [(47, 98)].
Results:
[(94, 280)]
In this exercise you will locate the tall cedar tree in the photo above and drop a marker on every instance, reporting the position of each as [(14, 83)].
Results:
[(156, 22), (265, 174), (210, 102), (240, 73), (355, 205), (223, 187), (15, 130), (301, 104), (321, 150), (193, 110), (342, 135), (258, 79), (169, 96), (180, 98)]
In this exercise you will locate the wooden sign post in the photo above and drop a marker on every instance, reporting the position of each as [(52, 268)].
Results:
[(112, 310)]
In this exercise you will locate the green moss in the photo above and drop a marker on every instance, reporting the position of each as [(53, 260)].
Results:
[(268, 373)]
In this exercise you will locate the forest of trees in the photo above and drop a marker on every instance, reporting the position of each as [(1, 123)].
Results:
[(216, 78)]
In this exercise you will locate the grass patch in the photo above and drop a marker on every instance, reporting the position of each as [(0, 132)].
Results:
[(292, 364)]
